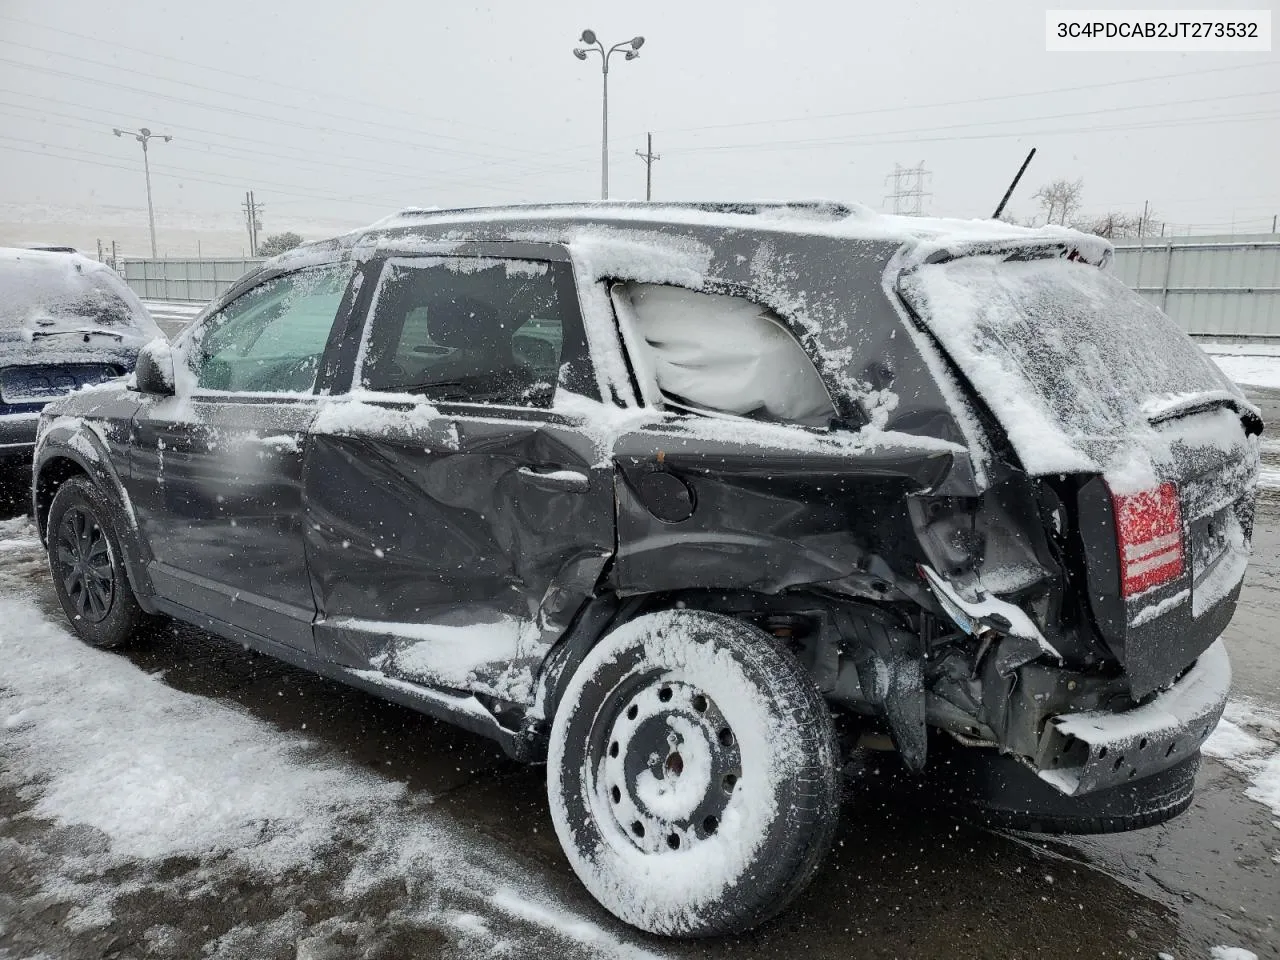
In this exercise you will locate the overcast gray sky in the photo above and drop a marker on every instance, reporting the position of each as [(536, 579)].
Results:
[(336, 113)]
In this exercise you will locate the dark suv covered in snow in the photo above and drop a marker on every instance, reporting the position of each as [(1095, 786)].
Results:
[(65, 322), (687, 500)]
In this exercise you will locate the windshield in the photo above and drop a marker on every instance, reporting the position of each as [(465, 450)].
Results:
[(47, 292), (1071, 361)]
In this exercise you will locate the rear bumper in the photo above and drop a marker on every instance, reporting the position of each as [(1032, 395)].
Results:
[(18, 433), (1083, 752)]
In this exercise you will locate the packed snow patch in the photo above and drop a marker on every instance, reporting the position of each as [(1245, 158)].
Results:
[(1252, 371), (139, 773), (1248, 741), (1232, 953)]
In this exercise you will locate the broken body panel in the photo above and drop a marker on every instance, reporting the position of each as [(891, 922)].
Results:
[(462, 558)]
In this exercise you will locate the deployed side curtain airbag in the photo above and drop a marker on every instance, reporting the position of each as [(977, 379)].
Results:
[(725, 353)]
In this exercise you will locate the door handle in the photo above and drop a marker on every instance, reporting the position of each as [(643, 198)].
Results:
[(551, 479)]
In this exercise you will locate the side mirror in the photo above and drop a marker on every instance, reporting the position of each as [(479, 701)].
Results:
[(154, 370)]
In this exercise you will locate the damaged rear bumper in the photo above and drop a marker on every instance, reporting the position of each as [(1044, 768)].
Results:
[(1083, 752)]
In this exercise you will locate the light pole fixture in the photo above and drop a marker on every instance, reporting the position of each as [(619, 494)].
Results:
[(631, 49), (142, 136)]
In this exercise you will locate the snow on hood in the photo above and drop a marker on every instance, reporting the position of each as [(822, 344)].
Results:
[(45, 296)]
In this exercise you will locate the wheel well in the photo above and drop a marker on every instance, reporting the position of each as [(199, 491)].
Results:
[(53, 474)]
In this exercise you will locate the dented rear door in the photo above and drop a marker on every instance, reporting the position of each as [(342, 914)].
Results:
[(456, 522)]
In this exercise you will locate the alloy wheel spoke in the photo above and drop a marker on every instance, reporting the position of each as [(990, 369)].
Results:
[(97, 597)]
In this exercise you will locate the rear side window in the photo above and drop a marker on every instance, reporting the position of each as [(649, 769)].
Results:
[(474, 329), (718, 353), (271, 337)]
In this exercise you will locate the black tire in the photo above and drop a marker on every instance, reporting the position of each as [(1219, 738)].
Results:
[(87, 567), (693, 774)]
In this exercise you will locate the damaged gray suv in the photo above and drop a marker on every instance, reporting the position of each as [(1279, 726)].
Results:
[(689, 500)]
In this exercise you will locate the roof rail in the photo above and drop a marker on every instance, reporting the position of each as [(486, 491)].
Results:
[(808, 209)]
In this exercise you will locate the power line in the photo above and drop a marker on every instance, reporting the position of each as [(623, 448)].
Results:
[(841, 141), (967, 102), (100, 82), (358, 165), (188, 64), (1015, 134), (532, 169), (89, 156), (254, 99)]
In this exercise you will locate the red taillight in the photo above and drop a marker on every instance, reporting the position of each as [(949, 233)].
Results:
[(1149, 531)]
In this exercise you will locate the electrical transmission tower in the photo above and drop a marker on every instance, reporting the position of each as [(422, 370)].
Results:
[(648, 157), (908, 189), (251, 211)]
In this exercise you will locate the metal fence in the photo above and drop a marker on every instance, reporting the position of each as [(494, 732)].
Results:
[(1210, 286), (195, 280), (1225, 286)]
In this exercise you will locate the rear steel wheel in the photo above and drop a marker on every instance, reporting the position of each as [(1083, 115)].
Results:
[(692, 773), (663, 763)]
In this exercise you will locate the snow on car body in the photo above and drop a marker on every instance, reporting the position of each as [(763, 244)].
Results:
[(65, 322), (656, 488)]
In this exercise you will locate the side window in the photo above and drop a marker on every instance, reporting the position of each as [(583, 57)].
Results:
[(471, 329), (708, 352), (271, 337)]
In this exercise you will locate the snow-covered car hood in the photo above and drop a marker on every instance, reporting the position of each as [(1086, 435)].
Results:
[(65, 308)]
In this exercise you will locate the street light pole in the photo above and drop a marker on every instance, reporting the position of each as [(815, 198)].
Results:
[(631, 50), (142, 136)]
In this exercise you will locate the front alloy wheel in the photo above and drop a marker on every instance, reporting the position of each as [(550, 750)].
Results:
[(88, 570), (82, 561)]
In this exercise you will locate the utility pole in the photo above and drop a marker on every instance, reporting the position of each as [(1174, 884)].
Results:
[(142, 136), (908, 189), (648, 157), (251, 211)]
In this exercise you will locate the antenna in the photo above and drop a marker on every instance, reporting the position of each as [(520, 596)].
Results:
[(1008, 193)]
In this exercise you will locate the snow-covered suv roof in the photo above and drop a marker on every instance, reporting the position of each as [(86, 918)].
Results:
[(926, 236)]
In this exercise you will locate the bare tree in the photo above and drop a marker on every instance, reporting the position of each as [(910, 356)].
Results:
[(1060, 199), (1119, 226)]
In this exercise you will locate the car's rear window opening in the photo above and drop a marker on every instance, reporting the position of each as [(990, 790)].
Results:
[(1067, 357), (719, 353)]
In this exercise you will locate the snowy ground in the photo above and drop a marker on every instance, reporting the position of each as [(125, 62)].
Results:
[(172, 315), (1250, 369), (191, 799), (148, 791)]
